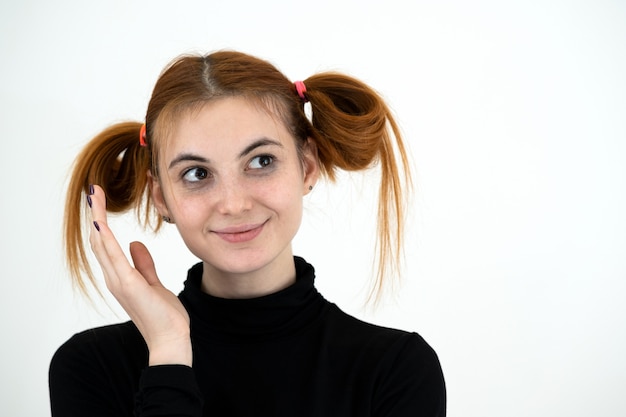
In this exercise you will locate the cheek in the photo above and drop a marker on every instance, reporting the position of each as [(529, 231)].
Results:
[(283, 197), (190, 210), (292, 206)]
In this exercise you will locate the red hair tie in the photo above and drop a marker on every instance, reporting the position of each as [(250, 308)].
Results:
[(142, 136), (301, 89)]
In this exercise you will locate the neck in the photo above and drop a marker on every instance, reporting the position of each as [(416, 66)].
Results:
[(277, 275)]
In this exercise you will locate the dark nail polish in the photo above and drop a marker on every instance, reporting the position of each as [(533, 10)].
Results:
[(89, 200), (95, 224), (91, 191)]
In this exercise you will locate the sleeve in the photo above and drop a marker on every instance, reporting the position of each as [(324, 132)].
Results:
[(79, 387), (91, 375), (168, 390), (412, 381)]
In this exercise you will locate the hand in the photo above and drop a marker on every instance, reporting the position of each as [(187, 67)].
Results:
[(156, 311)]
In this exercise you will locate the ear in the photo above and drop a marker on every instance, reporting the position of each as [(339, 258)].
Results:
[(156, 192), (310, 165)]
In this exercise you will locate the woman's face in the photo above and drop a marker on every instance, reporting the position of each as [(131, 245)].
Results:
[(233, 182)]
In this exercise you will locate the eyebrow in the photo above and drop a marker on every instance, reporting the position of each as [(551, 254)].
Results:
[(187, 157), (259, 143)]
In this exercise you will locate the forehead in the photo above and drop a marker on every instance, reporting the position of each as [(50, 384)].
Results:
[(227, 121)]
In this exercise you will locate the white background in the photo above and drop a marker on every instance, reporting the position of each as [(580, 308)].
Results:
[(515, 113)]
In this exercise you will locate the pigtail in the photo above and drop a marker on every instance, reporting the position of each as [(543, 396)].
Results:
[(355, 130), (117, 162)]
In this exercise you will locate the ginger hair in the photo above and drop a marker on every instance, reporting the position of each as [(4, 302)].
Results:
[(350, 123)]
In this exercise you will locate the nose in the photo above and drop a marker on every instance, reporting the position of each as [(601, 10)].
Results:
[(232, 196)]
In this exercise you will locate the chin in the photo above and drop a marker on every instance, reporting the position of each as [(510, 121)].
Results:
[(239, 263)]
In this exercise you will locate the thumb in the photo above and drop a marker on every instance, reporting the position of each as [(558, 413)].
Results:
[(144, 263)]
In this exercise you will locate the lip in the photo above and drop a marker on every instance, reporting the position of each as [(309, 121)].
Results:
[(240, 234)]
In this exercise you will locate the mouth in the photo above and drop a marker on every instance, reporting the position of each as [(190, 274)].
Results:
[(240, 234)]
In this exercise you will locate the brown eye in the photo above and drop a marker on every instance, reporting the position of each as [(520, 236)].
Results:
[(261, 161), (195, 174)]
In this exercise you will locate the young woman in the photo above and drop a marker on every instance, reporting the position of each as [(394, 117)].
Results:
[(227, 155)]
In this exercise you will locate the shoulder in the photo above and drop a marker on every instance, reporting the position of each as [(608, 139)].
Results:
[(352, 330), (405, 369), (97, 371), (100, 348), (100, 340)]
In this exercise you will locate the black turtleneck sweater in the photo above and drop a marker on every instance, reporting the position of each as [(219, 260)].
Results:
[(291, 353)]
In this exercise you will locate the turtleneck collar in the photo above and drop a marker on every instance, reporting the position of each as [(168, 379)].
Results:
[(254, 319)]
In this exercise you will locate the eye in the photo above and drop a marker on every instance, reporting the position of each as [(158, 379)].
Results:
[(195, 174), (261, 161)]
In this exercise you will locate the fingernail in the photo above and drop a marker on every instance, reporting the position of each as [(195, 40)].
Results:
[(95, 224), (89, 200), (91, 191)]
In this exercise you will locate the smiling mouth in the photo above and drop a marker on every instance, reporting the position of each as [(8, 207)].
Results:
[(240, 234)]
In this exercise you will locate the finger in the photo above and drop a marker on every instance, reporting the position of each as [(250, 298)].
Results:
[(98, 205), (115, 266), (144, 263)]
